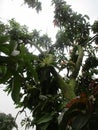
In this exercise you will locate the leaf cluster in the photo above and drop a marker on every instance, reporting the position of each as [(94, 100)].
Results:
[(7, 122)]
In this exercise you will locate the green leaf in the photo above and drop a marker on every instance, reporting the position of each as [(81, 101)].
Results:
[(13, 45), (46, 118), (7, 75), (5, 49), (23, 50), (75, 113), (4, 39), (33, 72), (86, 16), (3, 70), (28, 59), (80, 121), (66, 117), (16, 88), (44, 127)]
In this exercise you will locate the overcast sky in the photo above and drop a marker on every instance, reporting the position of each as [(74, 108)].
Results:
[(42, 21)]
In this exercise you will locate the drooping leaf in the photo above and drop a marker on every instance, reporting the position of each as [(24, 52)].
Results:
[(6, 77), (80, 121), (44, 127), (16, 86), (46, 118), (68, 115)]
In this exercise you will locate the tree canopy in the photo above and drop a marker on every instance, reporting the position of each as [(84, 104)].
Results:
[(31, 67), (7, 122)]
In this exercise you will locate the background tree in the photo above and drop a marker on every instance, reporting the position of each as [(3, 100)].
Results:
[(7, 122), (34, 79), (33, 4)]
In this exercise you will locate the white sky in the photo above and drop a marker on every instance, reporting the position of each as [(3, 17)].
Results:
[(42, 21)]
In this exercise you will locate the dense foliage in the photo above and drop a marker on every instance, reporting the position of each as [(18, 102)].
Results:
[(31, 67), (7, 122), (33, 4)]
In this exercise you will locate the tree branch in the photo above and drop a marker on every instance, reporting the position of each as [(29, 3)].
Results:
[(78, 62), (36, 46), (66, 88)]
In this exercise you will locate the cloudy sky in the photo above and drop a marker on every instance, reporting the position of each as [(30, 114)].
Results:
[(42, 21)]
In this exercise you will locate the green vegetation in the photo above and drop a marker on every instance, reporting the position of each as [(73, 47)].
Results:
[(7, 122), (56, 102)]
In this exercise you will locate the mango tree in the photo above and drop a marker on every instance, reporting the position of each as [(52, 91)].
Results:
[(57, 81)]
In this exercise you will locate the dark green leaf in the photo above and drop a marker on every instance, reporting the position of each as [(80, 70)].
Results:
[(33, 72), (46, 118), (66, 117), (5, 49), (16, 88), (3, 39), (80, 121), (6, 76), (44, 126), (3, 70)]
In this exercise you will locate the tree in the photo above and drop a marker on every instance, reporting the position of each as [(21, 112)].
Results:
[(35, 82), (33, 4), (7, 122)]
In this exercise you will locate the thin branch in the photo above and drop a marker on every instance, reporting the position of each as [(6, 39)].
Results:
[(20, 112), (91, 40), (36, 46)]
